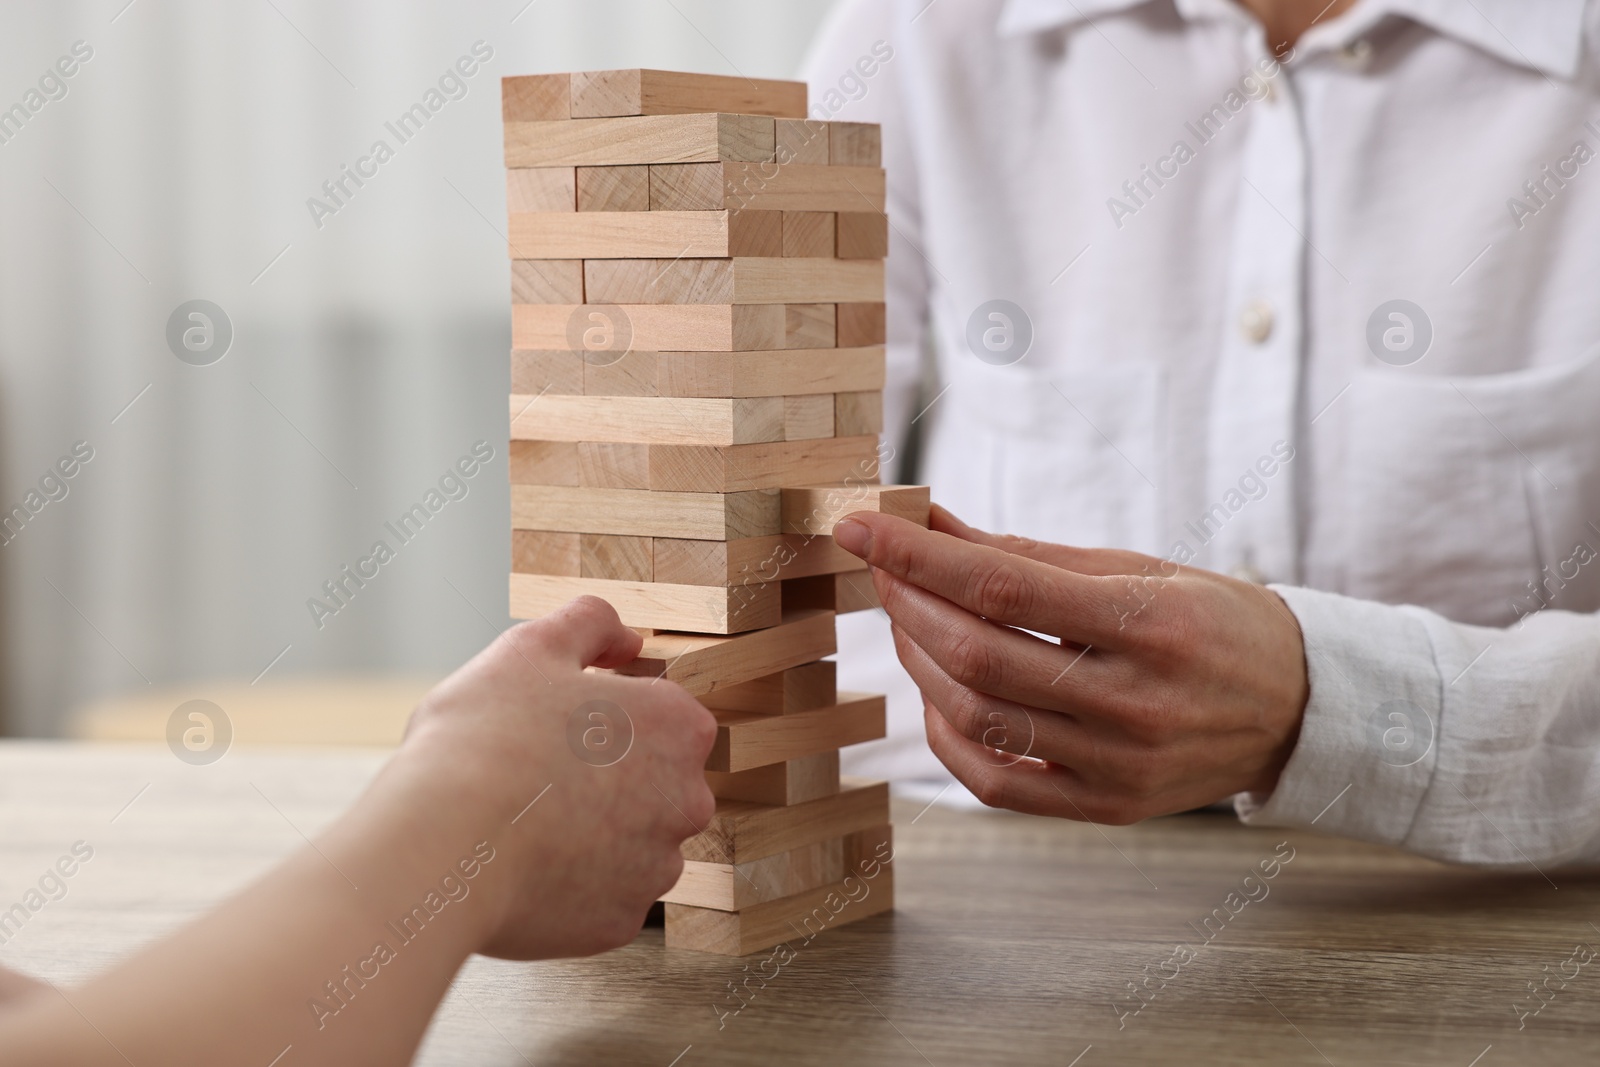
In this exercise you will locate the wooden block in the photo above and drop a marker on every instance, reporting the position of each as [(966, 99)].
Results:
[(542, 189), (726, 887), (790, 782), (538, 552), (547, 281), (536, 98), (808, 234), (704, 664), (543, 371), (815, 509), (755, 186), (613, 188), (616, 142), (679, 327), (807, 417), (861, 325), (740, 831), (745, 740), (612, 465), (854, 413), (650, 419), (612, 557), (745, 280), (767, 465), (645, 234), (809, 325), (634, 374), (751, 559), (838, 593), (654, 604), (694, 516), (791, 372), (803, 141), (862, 235), (804, 688), (855, 144), (604, 93), (544, 463)]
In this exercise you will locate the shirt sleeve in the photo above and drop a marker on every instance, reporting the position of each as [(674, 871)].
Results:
[(1464, 743)]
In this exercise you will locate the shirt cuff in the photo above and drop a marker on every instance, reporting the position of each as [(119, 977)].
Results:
[(1369, 741)]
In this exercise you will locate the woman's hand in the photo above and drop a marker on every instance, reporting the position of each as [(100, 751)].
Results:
[(1165, 688)]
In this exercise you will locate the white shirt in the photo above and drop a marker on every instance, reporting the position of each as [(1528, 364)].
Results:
[(1217, 373)]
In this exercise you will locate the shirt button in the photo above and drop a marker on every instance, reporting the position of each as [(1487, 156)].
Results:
[(1255, 321), (1357, 52), (1246, 573)]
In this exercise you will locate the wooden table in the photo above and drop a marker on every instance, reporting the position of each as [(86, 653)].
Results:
[(1013, 938)]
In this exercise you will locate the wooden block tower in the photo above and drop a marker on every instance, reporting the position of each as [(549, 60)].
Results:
[(696, 398)]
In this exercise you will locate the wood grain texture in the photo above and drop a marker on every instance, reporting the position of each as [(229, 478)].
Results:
[(703, 664), (855, 144), (809, 326), (801, 141), (784, 557), (613, 188), (858, 412), (743, 280), (604, 93), (807, 417), (703, 516), (547, 281), (544, 463), (791, 782), (804, 688), (765, 187), (740, 831), (649, 419), (700, 608), (615, 142), (862, 324), (558, 372), (540, 552), (595, 234), (792, 372), (729, 887), (634, 374), (542, 189), (613, 465), (732, 468), (746, 740), (862, 235), (535, 98), (809, 234), (814, 509), (674, 327), (612, 557)]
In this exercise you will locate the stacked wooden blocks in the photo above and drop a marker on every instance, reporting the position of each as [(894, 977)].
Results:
[(696, 378)]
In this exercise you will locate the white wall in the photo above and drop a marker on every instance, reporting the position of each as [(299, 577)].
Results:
[(366, 359)]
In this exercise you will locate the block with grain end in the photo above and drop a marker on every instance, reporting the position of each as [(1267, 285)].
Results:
[(545, 371), (862, 235), (750, 559), (649, 419), (645, 234), (542, 189), (726, 887), (613, 465), (544, 463), (808, 325), (792, 372), (613, 557), (808, 234), (642, 513), (675, 327), (855, 412), (613, 188), (860, 325), (741, 280), (802, 141), (839, 593), (807, 417), (621, 142), (536, 98), (790, 782), (804, 688), (653, 604), (767, 465), (538, 552), (815, 509), (632, 374), (855, 144), (547, 281), (746, 740), (703, 664), (740, 831), (614, 93), (764, 187)]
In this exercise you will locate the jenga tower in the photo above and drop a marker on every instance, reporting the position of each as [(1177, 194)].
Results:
[(696, 379)]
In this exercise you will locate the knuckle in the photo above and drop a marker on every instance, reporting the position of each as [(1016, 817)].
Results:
[(992, 789), (965, 712), (970, 661), (1002, 592)]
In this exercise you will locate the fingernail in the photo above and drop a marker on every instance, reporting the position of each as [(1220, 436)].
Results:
[(854, 537)]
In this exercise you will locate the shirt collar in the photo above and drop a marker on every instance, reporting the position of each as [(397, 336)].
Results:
[(1545, 35)]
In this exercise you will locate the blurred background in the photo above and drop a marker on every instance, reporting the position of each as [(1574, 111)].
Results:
[(369, 341)]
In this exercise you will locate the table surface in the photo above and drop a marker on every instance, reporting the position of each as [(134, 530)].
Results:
[(1013, 939)]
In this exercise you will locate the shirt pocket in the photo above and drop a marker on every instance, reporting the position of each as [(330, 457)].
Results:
[(1464, 493)]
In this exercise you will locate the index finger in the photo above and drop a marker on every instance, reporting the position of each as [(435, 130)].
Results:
[(585, 632), (986, 581)]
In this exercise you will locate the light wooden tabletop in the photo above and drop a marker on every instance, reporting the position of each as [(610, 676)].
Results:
[(1015, 939)]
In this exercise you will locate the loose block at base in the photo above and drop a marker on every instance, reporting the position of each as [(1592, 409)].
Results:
[(703, 664)]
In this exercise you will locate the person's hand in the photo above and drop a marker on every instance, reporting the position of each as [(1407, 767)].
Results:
[(1170, 687), (616, 764)]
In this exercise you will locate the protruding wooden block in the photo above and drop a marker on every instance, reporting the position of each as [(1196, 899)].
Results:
[(534, 372), (839, 593), (547, 281), (653, 604), (619, 142), (612, 465), (613, 557), (862, 235), (725, 887), (544, 463), (802, 141), (542, 189), (752, 559), (763, 187), (792, 372), (678, 327), (740, 832), (815, 509), (703, 664), (694, 516), (808, 234), (730, 468), (855, 144), (650, 419), (608, 93), (747, 740), (539, 552), (861, 325), (634, 374), (856, 412), (745, 280), (804, 688), (613, 188), (536, 98), (791, 782), (807, 417), (645, 234), (809, 326)]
